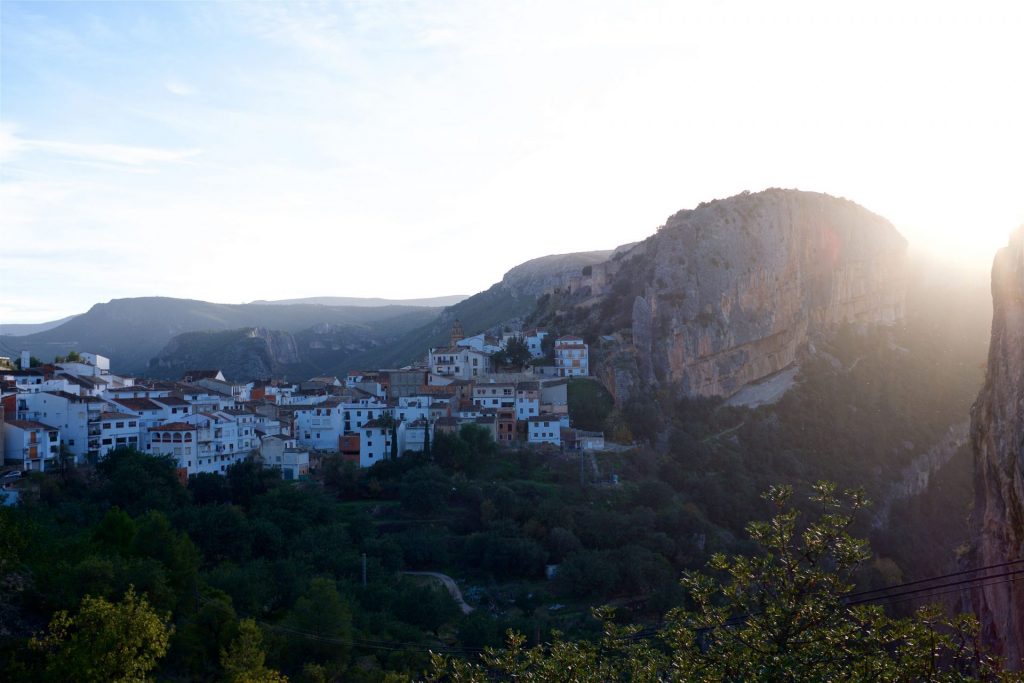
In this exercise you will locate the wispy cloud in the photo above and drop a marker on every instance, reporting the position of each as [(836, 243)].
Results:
[(12, 146), (180, 89)]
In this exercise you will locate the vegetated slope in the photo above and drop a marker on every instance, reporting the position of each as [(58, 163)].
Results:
[(997, 437), (432, 302), (132, 331), (506, 302), (730, 292)]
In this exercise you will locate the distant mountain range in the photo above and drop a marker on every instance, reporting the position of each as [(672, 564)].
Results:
[(293, 338), (431, 302), (21, 329)]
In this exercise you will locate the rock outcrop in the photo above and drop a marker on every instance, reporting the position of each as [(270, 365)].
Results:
[(730, 292), (997, 437), (245, 354)]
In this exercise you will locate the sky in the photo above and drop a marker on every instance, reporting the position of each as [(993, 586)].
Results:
[(238, 151)]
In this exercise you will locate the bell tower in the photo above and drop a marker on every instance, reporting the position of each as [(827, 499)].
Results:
[(457, 333)]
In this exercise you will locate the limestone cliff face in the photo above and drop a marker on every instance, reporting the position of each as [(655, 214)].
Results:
[(730, 292), (997, 436), (242, 354)]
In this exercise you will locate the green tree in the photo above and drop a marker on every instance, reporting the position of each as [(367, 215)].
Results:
[(116, 531), (516, 354), (72, 357), (105, 642), (198, 644), (243, 661), (320, 626), (781, 615)]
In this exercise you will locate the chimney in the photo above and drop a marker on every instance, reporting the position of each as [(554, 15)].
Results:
[(26, 359)]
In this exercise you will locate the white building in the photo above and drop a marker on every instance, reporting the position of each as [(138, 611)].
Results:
[(480, 342), (77, 418), (375, 439), (178, 440), (218, 441), (320, 426), (34, 382), (174, 408), (282, 453), (245, 423), (534, 340), (203, 442), (544, 429), (459, 363), (495, 395), (571, 357), (527, 400), (149, 412), (413, 435), (118, 430), (32, 446), (411, 408)]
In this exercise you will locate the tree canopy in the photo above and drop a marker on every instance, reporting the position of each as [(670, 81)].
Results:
[(782, 614)]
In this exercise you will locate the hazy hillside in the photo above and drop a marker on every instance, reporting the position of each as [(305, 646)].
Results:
[(294, 338), (22, 329), (132, 331), (434, 302)]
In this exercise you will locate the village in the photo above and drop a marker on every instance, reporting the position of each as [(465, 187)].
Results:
[(76, 410)]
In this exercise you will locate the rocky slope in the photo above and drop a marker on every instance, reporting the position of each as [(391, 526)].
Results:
[(254, 353), (997, 436), (730, 292)]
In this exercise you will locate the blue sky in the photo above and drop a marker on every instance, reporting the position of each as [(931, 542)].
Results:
[(239, 151)]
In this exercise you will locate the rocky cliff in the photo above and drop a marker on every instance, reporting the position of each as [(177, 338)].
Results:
[(253, 353), (997, 436), (730, 292)]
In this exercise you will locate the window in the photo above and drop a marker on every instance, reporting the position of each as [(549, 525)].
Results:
[(120, 425), (106, 425), (106, 442)]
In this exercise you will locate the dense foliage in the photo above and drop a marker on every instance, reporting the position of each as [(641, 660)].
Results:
[(782, 614)]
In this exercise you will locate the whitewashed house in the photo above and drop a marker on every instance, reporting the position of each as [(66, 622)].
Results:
[(29, 445), (413, 435), (571, 357), (495, 395), (118, 430), (527, 400), (534, 341), (544, 429), (375, 442), (77, 418), (459, 363)]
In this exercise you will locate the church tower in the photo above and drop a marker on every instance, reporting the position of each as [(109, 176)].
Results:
[(457, 333)]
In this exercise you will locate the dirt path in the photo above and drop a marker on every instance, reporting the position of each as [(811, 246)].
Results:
[(449, 583)]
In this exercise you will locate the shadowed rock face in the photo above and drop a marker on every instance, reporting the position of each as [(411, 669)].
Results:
[(734, 289), (997, 436)]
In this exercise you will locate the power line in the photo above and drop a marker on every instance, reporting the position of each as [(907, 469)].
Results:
[(902, 596), (934, 578), (929, 589)]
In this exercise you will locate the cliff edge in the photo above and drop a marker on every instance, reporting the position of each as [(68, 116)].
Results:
[(728, 293), (997, 437)]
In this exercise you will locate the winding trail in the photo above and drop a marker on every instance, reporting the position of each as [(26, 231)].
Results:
[(449, 583)]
